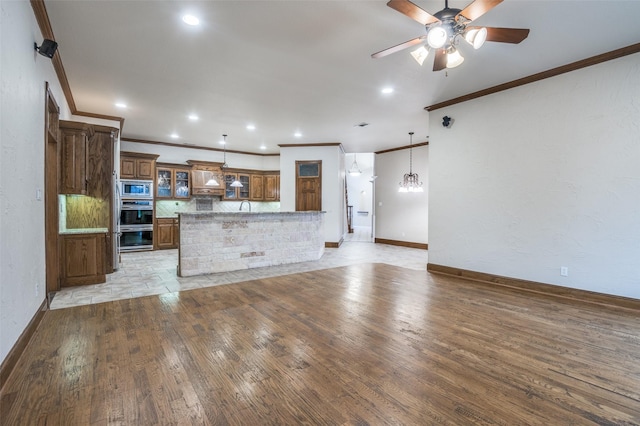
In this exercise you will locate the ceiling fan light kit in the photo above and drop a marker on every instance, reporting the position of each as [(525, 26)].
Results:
[(444, 27)]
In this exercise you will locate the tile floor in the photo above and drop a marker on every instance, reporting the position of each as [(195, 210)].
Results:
[(150, 273)]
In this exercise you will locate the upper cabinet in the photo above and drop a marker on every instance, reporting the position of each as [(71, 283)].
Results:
[(257, 188), (233, 191), (272, 186), (173, 181), (74, 156), (134, 165), (206, 178)]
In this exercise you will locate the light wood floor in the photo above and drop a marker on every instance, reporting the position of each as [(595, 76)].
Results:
[(364, 344)]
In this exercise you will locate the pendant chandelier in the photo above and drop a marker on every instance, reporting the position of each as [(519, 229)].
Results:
[(212, 181), (355, 170), (411, 181), (236, 183)]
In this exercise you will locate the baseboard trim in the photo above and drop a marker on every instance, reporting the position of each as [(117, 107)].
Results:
[(402, 243), (329, 244), (9, 363), (587, 296)]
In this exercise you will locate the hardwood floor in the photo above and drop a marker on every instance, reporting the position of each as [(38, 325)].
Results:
[(363, 344)]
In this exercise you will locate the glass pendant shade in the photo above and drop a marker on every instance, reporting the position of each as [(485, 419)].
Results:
[(437, 37), (212, 182), (454, 58), (476, 37), (420, 54), (236, 184)]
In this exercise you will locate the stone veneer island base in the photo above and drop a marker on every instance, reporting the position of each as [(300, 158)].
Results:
[(213, 242)]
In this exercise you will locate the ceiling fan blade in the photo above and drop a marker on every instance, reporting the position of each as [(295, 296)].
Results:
[(412, 11), (440, 61), (399, 47), (506, 35), (477, 8)]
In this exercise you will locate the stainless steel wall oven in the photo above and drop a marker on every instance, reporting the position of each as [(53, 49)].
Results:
[(136, 225)]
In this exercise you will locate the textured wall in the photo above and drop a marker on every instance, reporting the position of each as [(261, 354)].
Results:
[(22, 97), (543, 176), (402, 216)]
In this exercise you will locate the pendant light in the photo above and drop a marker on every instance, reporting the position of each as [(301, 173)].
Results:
[(411, 181), (212, 181), (355, 170), (236, 183)]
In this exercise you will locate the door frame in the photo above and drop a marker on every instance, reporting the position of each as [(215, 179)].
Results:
[(51, 153)]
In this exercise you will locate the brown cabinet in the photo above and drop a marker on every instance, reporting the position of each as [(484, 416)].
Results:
[(237, 192), (202, 175), (167, 233), (134, 165), (271, 187), (74, 157), (257, 188), (82, 259), (172, 182)]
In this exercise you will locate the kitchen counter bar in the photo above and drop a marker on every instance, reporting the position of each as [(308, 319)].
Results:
[(213, 242)]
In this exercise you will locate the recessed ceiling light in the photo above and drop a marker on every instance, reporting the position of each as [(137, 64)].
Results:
[(121, 105), (193, 117), (190, 20), (297, 134), (263, 147), (387, 90), (223, 142), (251, 127), (174, 136)]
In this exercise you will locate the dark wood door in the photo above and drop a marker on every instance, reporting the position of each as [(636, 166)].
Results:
[(308, 185)]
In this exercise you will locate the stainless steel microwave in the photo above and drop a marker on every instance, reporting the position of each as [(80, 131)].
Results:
[(136, 189)]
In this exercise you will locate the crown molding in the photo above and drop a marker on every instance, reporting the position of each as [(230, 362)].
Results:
[(42, 18), (415, 145), (206, 148), (594, 60)]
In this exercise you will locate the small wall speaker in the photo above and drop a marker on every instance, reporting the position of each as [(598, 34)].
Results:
[(447, 121), (48, 48)]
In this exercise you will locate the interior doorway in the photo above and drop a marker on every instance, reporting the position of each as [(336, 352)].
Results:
[(360, 187)]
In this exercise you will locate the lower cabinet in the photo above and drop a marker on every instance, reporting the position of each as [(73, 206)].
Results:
[(167, 233), (82, 259)]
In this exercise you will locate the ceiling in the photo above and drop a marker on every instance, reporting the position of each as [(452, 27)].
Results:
[(302, 65)]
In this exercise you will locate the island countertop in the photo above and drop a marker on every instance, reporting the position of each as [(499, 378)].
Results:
[(213, 242)]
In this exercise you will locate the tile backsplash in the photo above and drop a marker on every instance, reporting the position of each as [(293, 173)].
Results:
[(169, 208)]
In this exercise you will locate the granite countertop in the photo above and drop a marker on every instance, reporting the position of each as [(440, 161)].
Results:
[(201, 213), (84, 231)]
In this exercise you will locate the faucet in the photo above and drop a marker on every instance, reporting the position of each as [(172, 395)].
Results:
[(242, 203)]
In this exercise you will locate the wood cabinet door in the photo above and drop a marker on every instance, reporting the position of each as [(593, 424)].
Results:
[(257, 188), (127, 168), (176, 233), (144, 168), (164, 233), (82, 259), (73, 162), (270, 187)]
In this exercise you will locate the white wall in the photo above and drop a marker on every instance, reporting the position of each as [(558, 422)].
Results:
[(543, 176), (402, 216), (179, 155), (359, 188), (333, 172), (22, 105)]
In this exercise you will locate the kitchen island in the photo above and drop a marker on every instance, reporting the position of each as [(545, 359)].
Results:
[(213, 242)]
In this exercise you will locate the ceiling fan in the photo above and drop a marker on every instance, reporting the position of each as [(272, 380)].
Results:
[(444, 28)]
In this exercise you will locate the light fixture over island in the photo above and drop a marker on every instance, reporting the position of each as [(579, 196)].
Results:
[(212, 242)]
